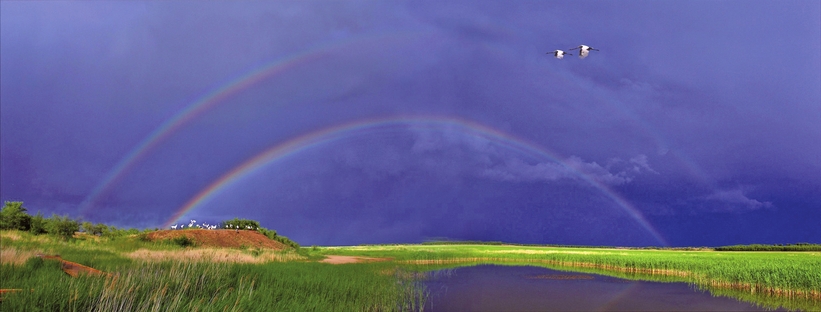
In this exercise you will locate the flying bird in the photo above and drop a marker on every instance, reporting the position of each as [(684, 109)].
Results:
[(584, 50), (559, 54)]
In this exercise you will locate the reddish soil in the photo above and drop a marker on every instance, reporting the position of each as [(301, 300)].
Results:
[(73, 268), (221, 238), (3, 292)]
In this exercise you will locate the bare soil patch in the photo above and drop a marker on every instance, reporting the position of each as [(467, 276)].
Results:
[(220, 238), (73, 268), (350, 259)]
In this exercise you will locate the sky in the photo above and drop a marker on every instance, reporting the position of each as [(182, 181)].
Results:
[(696, 123)]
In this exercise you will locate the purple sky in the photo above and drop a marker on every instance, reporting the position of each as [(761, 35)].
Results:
[(698, 123)]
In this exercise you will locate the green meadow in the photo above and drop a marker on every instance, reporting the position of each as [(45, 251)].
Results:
[(777, 272), (195, 278), (299, 283), (789, 279)]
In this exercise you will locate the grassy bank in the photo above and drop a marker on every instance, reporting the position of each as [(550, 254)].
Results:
[(205, 286), (786, 274), (162, 276), (165, 276)]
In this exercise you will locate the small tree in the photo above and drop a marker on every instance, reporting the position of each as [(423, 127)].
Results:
[(62, 226), (242, 224), (39, 224), (14, 217), (87, 227), (99, 229)]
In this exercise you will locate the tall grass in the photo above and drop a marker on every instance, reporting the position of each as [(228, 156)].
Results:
[(207, 286), (164, 276), (762, 300), (214, 255), (780, 273)]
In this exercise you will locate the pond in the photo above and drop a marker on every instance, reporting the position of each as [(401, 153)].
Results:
[(528, 288)]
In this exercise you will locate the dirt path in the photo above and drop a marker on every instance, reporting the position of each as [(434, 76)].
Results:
[(73, 268), (3, 292), (350, 259)]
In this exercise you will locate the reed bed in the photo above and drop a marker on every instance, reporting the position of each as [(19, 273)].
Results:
[(763, 300), (16, 256), (152, 276), (210, 286), (787, 274), (156, 276)]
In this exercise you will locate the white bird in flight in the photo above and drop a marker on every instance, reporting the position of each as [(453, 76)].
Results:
[(584, 50), (559, 54)]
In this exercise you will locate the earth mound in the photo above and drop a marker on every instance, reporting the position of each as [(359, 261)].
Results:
[(220, 238)]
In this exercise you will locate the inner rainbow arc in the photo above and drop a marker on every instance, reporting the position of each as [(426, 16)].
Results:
[(333, 133)]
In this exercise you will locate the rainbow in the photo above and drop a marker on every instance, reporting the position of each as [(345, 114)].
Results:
[(216, 96), (341, 131)]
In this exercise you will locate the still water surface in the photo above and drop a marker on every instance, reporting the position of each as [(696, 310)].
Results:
[(527, 288)]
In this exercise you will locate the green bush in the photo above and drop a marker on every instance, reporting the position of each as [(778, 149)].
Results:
[(62, 226), (14, 217), (38, 224), (184, 241), (242, 224)]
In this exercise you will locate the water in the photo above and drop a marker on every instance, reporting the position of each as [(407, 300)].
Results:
[(526, 288)]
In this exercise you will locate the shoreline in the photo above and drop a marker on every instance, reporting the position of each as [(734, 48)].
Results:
[(690, 276)]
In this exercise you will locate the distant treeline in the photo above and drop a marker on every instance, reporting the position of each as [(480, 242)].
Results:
[(14, 216), (474, 242), (753, 247), (776, 247)]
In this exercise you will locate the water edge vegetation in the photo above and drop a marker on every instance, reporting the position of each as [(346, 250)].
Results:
[(177, 273)]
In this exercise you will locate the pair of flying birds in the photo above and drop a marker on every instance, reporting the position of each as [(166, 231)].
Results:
[(583, 51)]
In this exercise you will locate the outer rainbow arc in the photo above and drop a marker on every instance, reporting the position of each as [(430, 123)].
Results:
[(318, 137), (210, 100), (189, 113)]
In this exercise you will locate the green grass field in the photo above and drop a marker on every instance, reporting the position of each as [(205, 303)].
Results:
[(796, 272), (147, 285), (770, 279), (295, 281)]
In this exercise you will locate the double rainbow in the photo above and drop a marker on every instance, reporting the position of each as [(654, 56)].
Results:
[(226, 90)]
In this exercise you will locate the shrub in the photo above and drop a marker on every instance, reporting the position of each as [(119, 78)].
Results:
[(14, 217), (62, 226), (184, 241), (143, 237), (241, 224), (38, 224)]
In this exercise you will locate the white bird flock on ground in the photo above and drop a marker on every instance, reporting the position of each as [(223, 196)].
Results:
[(583, 52)]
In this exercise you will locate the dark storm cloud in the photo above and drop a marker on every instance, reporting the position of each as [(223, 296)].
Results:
[(735, 200)]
